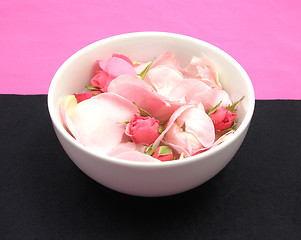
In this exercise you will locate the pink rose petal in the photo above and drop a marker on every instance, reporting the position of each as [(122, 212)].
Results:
[(189, 91), (167, 59), (98, 121), (199, 124), (171, 121), (136, 156), (116, 66), (136, 90), (163, 79)]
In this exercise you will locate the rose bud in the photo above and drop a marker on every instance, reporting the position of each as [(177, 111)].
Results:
[(144, 130), (222, 118), (163, 153), (85, 95)]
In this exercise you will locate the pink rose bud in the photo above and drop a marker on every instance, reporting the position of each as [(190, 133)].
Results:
[(85, 95), (222, 118), (101, 80), (144, 130), (163, 154)]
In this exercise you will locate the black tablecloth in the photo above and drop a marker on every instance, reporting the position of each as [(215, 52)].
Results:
[(43, 195)]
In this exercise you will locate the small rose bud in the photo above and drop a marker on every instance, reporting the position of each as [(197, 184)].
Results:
[(222, 118), (163, 153), (144, 130), (85, 95)]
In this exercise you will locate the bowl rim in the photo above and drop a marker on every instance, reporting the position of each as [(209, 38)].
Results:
[(199, 157)]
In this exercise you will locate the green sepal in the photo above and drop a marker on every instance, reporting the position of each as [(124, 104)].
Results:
[(160, 130), (164, 150), (212, 110), (125, 122), (231, 128), (142, 112), (144, 72), (232, 107), (92, 88), (150, 150)]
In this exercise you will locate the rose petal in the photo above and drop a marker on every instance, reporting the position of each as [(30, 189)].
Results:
[(85, 95), (189, 91), (223, 138), (125, 58), (167, 59), (116, 66), (203, 68), (163, 79), (136, 90), (171, 121), (98, 121), (178, 149), (199, 124), (136, 156)]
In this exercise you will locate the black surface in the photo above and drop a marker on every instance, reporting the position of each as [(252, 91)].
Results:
[(43, 195)]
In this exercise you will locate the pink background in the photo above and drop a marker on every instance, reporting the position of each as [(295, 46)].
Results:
[(36, 37)]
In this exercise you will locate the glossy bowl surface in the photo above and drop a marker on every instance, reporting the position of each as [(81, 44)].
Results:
[(150, 179)]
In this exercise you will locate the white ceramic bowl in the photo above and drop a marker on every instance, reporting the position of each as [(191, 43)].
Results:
[(150, 179)]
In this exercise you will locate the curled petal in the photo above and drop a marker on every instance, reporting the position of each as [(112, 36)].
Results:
[(199, 124), (170, 123), (163, 79), (167, 59), (116, 66), (136, 90), (203, 68)]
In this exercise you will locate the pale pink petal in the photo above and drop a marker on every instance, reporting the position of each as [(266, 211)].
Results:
[(199, 124), (223, 138), (203, 68), (214, 97), (210, 83), (191, 71), (168, 59), (163, 79), (122, 147), (169, 124), (189, 91), (139, 67), (176, 136), (136, 156), (98, 121), (193, 91), (66, 121), (136, 90), (178, 149)]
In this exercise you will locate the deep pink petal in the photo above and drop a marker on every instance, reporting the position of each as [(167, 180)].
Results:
[(101, 80), (85, 95), (117, 66), (125, 58)]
